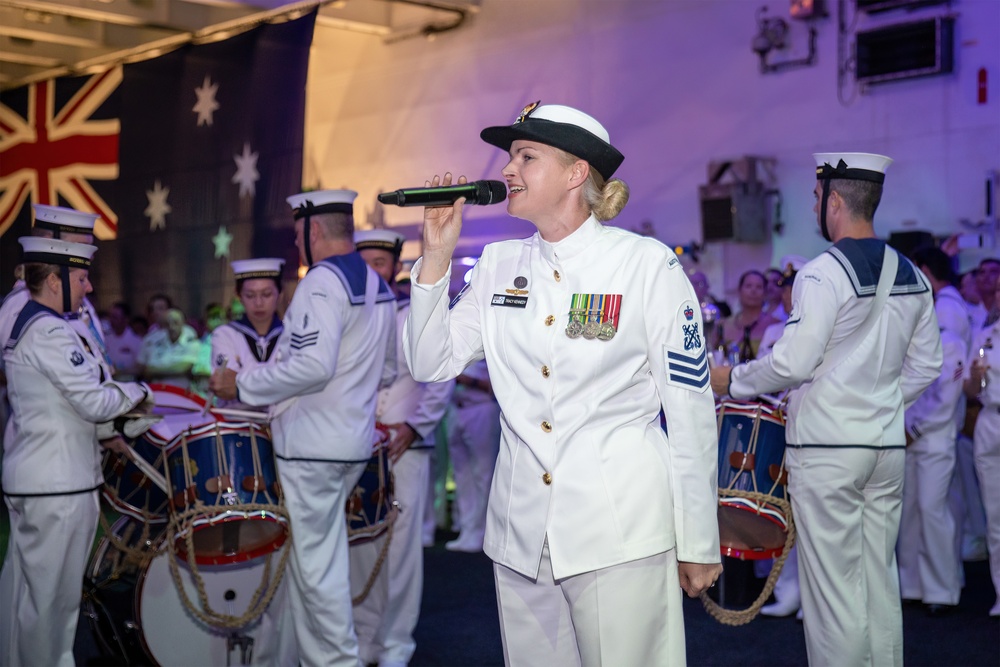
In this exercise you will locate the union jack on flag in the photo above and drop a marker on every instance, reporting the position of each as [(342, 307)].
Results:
[(54, 151)]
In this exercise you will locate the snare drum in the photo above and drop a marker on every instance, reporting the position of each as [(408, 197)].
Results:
[(138, 614), (125, 486), (752, 461), (222, 477), (370, 507)]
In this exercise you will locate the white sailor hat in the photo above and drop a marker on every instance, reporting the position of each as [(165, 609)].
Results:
[(380, 239), (790, 265), (322, 201), (563, 127), (56, 251), (61, 219), (851, 166), (263, 267)]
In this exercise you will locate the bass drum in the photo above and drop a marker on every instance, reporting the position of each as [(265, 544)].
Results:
[(138, 614)]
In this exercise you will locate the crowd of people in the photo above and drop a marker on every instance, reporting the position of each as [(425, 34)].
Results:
[(574, 380)]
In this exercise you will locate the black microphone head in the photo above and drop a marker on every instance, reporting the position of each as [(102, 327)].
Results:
[(489, 192)]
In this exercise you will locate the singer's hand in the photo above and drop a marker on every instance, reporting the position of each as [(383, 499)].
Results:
[(442, 226)]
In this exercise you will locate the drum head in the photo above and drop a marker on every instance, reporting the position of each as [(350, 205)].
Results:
[(748, 535), (236, 538), (172, 635)]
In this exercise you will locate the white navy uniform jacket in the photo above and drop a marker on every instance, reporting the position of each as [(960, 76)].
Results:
[(421, 405), (57, 396), (953, 313), (338, 348), (987, 340), (584, 462), (242, 347), (19, 296), (861, 401), (935, 410)]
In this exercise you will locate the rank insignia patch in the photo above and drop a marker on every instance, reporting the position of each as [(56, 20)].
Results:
[(692, 337), (75, 357)]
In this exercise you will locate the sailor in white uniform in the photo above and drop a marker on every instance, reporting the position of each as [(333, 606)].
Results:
[(251, 340), (859, 350), (984, 382), (930, 565), (411, 410), (787, 597), (69, 225), (59, 392), (597, 518), (338, 348)]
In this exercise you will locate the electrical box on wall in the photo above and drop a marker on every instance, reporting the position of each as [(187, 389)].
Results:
[(734, 202), (905, 50)]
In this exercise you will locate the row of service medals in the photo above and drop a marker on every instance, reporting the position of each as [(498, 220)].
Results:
[(594, 316)]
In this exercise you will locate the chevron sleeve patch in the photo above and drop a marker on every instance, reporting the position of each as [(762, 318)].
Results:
[(686, 371)]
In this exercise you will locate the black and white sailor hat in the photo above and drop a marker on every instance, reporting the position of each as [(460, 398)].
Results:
[(61, 219), (262, 267), (322, 201), (851, 166), (56, 251), (380, 239), (563, 127)]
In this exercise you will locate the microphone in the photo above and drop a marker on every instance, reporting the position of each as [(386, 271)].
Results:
[(480, 193)]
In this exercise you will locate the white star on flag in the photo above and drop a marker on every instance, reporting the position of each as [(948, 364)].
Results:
[(158, 206), (222, 241), (206, 101), (246, 171)]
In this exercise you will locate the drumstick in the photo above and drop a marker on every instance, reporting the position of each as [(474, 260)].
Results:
[(252, 415), (211, 395), (148, 470)]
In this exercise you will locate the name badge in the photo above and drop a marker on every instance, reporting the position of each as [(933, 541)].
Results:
[(509, 301)]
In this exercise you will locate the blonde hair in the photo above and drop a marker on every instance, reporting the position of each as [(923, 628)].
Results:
[(606, 199)]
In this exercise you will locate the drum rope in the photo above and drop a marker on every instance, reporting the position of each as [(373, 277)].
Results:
[(261, 598), (355, 601), (744, 616), (222, 465), (258, 468), (126, 555)]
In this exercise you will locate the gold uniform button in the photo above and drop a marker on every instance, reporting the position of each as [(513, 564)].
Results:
[(547, 427), (550, 320), (547, 478), (545, 371), (556, 275)]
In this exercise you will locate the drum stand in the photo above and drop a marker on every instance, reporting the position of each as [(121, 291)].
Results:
[(244, 644)]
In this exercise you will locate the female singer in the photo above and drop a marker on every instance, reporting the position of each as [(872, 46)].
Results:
[(596, 517)]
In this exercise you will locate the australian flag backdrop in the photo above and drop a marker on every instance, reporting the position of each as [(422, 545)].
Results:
[(187, 157)]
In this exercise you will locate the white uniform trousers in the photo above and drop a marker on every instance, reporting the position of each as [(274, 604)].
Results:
[(391, 629), (473, 445), (967, 502), (319, 591), (42, 580), (987, 455), (927, 553), (373, 589), (627, 614), (847, 503)]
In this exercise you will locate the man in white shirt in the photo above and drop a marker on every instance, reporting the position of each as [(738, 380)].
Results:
[(856, 367), (337, 350), (411, 410)]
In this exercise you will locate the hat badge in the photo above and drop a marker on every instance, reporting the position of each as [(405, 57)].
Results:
[(526, 111)]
